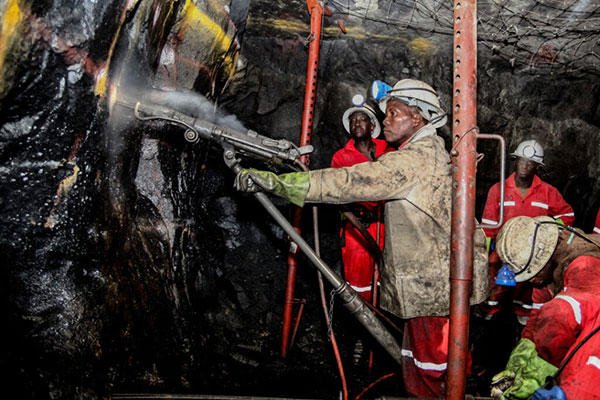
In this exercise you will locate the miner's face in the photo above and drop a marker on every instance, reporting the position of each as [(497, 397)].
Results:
[(360, 125), (400, 123), (525, 168)]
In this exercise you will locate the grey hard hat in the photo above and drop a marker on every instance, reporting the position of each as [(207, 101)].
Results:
[(526, 244)]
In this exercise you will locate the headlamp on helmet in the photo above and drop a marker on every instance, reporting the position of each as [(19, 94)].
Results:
[(358, 100), (379, 90), (531, 150), (506, 277)]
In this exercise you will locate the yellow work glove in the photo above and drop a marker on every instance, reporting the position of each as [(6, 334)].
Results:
[(525, 372), (501, 382)]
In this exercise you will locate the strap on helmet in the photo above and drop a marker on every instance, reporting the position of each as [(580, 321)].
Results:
[(560, 226)]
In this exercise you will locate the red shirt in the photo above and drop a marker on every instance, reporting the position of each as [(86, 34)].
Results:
[(541, 199), (349, 156)]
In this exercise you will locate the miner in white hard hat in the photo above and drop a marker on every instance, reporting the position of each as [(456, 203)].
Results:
[(415, 182), (524, 194), (361, 123)]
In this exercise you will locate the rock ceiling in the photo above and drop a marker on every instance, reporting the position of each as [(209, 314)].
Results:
[(539, 36)]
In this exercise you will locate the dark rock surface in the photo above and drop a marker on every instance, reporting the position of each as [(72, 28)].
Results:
[(130, 264)]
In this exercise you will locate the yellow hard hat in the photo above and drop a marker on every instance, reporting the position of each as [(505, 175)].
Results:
[(526, 244)]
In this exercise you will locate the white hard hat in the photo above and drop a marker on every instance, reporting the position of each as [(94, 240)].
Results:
[(361, 105), (531, 150), (417, 93), (526, 244)]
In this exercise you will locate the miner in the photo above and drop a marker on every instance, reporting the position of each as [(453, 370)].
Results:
[(360, 122), (415, 182), (566, 262), (524, 194)]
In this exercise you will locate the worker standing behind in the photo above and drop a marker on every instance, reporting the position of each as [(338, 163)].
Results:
[(361, 123), (597, 224), (415, 181), (567, 262), (525, 194)]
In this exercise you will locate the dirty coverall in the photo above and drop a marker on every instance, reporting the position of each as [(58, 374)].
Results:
[(564, 321), (415, 181), (541, 199), (358, 261)]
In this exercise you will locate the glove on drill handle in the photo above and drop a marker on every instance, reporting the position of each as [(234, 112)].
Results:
[(292, 186)]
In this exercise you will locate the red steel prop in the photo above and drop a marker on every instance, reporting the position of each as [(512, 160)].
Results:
[(316, 14), (463, 193)]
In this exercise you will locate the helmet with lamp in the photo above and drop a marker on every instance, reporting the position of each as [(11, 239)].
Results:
[(413, 93), (525, 245), (531, 150), (359, 104)]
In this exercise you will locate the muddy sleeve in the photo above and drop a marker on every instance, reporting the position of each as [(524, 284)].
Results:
[(390, 177)]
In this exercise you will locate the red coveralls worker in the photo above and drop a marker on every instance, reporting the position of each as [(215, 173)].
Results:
[(597, 224), (549, 281), (541, 199), (416, 184), (566, 262), (564, 321), (361, 123)]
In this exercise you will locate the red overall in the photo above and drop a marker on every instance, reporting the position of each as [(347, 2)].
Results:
[(358, 263), (425, 356), (541, 199), (564, 321), (597, 224)]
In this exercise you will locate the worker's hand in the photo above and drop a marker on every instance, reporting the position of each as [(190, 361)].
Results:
[(524, 373), (501, 382), (291, 186), (556, 393), (244, 183)]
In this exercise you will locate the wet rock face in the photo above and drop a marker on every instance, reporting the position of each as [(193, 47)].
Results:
[(110, 250), (130, 264)]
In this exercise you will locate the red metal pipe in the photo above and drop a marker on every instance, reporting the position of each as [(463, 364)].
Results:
[(463, 194), (316, 15), (297, 323), (310, 91)]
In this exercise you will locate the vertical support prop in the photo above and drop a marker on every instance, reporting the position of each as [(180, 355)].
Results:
[(463, 154), (316, 15)]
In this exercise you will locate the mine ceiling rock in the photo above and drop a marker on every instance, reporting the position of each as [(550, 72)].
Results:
[(130, 265)]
